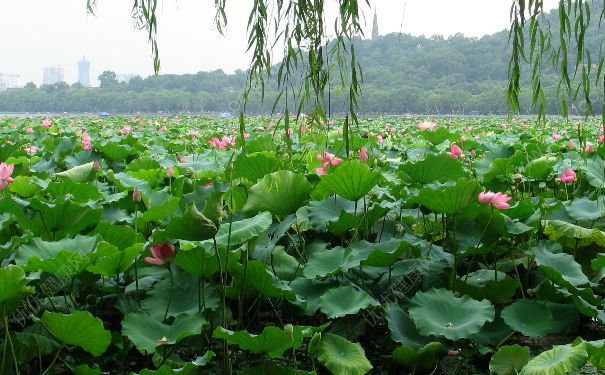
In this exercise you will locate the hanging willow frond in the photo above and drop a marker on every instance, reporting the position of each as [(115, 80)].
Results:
[(575, 79)]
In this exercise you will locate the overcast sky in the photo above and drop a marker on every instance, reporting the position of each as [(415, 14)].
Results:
[(39, 33)]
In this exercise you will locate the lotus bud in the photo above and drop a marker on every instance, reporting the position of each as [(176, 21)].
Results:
[(136, 195)]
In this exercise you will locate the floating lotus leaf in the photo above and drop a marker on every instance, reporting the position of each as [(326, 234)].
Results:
[(438, 312), (509, 360), (531, 318), (147, 333), (345, 300), (341, 356), (560, 360)]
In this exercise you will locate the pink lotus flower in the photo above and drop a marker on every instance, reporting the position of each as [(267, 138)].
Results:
[(555, 136), (568, 176), (86, 145), (246, 135), (455, 151), (126, 129), (193, 133), (182, 159), (601, 138), (96, 166), (136, 195), (463, 138), (320, 170), (217, 143), (570, 145), (228, 140), (30, 130), (169, 171), (46, 123), (363, 155), (163, 128), (327, 159), (427, 125), (290, 131), (588, 149), (379, 139), (162, 252), (498, 200), (6, 170), (31, 149)]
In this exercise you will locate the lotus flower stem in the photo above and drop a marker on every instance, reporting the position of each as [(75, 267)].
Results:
[(136, 268), (470, 264), (171, 290), (10, 342)]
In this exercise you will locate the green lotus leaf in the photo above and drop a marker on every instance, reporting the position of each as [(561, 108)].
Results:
[(186, 296), (432, 168), (509, 360), (115, 151), (586, 209), (80, 328), (345, 300), (403, 329), (540, 168), (328, 262), (24, 186), (243, 230), (351, 180), (281, 193), (572, 235), (115, 262), (80, 192), (594, 172), (66, 258), (79, 158), (341, 356), (202, 261), (257, 277), (531, 318), (191, 226), (437, 136), (438, 312), (143, 163), (121, 236), (319, 214), (57, 219), (147, 333), (482, 284), (13, 288), (424, 358), (273, 341), (560, 360), (255, 166), (81, 173), (449, 198), (561, 264)]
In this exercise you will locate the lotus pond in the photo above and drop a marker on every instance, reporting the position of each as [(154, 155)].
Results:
[(189, 245)]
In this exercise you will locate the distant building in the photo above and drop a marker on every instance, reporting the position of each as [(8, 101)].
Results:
[(9, 81), (125, 77), (84, 72), (375, 33), (53, 74)]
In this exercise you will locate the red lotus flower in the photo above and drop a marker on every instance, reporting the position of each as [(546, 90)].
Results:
[(363, 155), (162, 252)]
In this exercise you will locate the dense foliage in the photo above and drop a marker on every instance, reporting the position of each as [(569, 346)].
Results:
[(164, 246), (402, 74)]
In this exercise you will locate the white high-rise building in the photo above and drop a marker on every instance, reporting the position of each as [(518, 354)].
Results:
[(9, 81), (53, 74), (84, 72)]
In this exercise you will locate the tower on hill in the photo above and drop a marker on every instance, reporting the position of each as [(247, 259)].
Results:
[(375, 33)]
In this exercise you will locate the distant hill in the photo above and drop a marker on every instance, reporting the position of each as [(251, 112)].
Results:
[(402, 74)]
